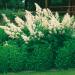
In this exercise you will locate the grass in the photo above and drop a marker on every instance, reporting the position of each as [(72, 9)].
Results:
[(63, 72)]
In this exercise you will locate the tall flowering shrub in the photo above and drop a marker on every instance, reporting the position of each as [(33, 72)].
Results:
[(43, 18), (39, 37)]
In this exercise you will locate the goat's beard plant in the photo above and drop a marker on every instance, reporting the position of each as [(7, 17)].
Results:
[(36, 24), (40, 32)]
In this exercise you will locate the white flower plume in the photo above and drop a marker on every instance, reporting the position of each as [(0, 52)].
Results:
[(43, 18)]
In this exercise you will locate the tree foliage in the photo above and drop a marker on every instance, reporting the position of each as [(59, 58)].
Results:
[(10, 3)]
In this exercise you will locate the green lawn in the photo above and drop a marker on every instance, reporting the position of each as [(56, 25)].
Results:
[(66, 72)]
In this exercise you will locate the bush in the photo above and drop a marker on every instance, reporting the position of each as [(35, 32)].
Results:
[(72, 48), (11, 42), (47, 45), (3, 59), (24, 53), (38, 55), (56, 39), (18, 41), (3, 36), (15, 59), (65, 58), (10, 58)]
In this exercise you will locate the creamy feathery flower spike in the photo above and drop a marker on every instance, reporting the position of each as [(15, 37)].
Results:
[(11, 29), (45, 22), (20, 22), (57, 16), (66, 20), (45, 12), (25, 38), (50, 13), (30, 21), (46, 15), (4, 27), (5, 18), (12, 32), (54, 23), (38, 9), (72, 20), (40, 34), (14, 28)]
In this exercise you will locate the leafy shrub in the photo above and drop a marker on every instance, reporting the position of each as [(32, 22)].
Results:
[(65, 57), (3, 59), (15, 59), (72, 48), (11, 42), (42, 44), (3, 36), (24, 53), (56, 39), (19, 41), (38, 55), (10, 58)]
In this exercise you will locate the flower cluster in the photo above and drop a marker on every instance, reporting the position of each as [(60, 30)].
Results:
[(12, 30), (45, 18)]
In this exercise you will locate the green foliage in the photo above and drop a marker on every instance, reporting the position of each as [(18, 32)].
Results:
[(15, 62), (56, 39), (11, 42), (11, 14), (3, 59), (39, 56), (10, 58), (11, 4), (29, 5), (19, 41), (3, 36), (65, 55), (24, 53), (39, 26), (40, 53), (26, 31), (53, 49)]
